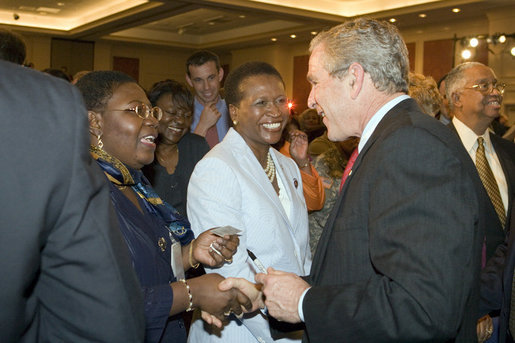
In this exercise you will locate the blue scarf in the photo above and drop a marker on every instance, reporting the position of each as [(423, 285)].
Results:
[(121, 175)]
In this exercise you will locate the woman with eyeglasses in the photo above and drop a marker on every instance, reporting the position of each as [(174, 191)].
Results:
[(123, 128), (178, 150), (245, 183)]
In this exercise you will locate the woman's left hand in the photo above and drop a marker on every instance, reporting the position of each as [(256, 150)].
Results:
[(212, 250)]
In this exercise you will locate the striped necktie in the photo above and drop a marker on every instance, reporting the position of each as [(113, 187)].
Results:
[(488, 180)]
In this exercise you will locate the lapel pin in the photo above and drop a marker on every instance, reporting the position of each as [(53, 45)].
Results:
[(295, 183)]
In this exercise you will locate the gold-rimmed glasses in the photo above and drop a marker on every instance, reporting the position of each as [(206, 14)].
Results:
[(486, 88), (143, 111)]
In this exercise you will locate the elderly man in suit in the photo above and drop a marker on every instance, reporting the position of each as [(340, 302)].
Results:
[(65, 270), (475, 98), (391, 266)]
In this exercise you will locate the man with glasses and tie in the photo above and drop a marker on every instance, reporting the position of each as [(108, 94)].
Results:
[(475, 98)]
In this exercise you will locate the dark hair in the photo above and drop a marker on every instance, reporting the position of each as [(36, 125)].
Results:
[(181, 96), (202, 57), (12, 47), (57, 73), (442, 79), (97, 87), (233, 94)]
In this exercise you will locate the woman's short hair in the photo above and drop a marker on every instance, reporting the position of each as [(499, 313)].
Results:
[(233, 93), (425, 92), (97, 87), (181, 96), (376, 45)]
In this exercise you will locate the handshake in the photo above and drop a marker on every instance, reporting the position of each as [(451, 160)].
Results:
[(278, 291)]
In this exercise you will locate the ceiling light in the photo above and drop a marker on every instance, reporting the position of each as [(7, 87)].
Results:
[(273, 39), (422, 15), (474, 42), (466, 54), (392, 20), (501, 39), (512, 52), (313, 33), (456, 10), (211, 23), (293, 36), (242, 16), (60, 4)]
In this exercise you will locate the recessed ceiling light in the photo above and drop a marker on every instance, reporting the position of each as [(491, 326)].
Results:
[(422, 15), (273, 39), (211, 23), (60, 4), (456, 10), (242, 16), (313, 33), (293, 36), (392, 20)]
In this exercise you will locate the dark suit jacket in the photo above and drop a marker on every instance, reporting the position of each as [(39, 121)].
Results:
[(65, 271), (399, 258), (495, 233)]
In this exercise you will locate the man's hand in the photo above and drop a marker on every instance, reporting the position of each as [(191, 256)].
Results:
[(208, 118), (251, 290), (282, 293), (299, 150), (484, 328)]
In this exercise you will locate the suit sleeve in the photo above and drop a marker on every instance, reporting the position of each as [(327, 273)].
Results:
[(421, 243), (67, 263)]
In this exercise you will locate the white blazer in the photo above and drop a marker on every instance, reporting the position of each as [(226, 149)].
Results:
[(229, 187)]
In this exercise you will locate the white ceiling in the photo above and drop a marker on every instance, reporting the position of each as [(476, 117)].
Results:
[(219, 24)]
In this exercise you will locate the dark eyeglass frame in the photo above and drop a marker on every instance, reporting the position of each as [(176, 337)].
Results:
[(143, 111), (486, 88)]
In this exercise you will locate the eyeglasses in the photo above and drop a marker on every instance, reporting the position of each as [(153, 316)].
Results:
[(143, 111), (179, 114), (486, 88)]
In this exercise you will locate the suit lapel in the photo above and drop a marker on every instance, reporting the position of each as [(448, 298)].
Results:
[(507, 166)]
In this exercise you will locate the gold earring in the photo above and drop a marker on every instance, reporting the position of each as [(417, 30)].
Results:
[(100, 143), (235, 122)]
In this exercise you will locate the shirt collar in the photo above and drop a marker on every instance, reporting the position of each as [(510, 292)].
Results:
[(469, 137), (376, 118)]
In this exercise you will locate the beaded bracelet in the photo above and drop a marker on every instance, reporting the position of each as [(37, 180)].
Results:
[(194, 266), (190, 297)]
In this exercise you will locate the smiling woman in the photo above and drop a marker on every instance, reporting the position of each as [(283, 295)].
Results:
[(123, 128), (178, 150), (245, 183)]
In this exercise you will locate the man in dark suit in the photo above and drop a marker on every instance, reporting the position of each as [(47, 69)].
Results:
[(475, 98), (65, 270), (399, 258)]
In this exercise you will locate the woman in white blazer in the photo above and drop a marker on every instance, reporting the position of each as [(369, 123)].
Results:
[(245, 183)]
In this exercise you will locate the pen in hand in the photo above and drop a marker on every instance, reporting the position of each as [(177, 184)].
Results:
[(257, 262)]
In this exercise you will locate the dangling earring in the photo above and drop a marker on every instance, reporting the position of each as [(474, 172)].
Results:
[(235, 122), (100, 143)]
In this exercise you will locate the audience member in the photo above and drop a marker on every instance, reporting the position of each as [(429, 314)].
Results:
[(12, 47), (475, 98), (178, 150), (424, 91), (444, 116), (66, 271), (330, 166), (390, 265), (311, 124), (210, 114), (57, 73), (295, 146), (255, 189), (123, 128)]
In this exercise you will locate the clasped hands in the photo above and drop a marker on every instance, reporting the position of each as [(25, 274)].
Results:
[(279, 291)]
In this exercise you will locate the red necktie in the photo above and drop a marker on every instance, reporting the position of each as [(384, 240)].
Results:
[(212, 136), (348, 168)]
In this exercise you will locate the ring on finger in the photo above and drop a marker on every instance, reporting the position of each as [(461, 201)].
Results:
[(228, 260), (228, 313)]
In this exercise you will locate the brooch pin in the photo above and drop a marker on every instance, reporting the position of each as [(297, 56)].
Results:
[(295, 183), (161, 242)]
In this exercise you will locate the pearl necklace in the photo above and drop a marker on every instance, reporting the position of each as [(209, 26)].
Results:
[(270, 168)]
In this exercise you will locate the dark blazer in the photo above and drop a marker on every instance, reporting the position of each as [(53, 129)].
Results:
[(65, 270), (495, 233), (399, 258)]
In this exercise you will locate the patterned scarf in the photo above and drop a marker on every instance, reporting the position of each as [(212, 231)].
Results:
[(121, 175)]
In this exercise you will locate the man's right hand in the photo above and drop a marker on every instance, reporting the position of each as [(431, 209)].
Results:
[(208, 118)]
